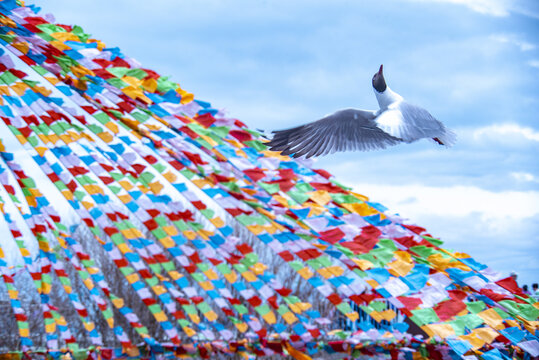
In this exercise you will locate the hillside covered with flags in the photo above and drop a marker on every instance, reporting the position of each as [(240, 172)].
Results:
[(141, 222)]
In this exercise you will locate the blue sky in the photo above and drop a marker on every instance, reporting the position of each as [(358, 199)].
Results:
[(274, 64)]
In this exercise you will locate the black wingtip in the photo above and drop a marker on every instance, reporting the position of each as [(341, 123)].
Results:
[(438, 141)]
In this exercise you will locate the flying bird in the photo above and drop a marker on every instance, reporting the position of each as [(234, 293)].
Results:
[(396, 121)]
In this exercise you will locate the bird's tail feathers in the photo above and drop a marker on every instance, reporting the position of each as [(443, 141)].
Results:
[(447, 138)]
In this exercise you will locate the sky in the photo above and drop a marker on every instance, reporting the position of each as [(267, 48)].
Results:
[(473, 64)]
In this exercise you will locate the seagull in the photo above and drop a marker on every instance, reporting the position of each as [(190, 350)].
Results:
[(397, 121)]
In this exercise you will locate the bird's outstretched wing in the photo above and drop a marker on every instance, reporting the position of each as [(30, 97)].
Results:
[(410, 123), (348, 129)]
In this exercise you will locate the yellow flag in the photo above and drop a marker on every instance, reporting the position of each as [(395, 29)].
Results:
[(296, 354)]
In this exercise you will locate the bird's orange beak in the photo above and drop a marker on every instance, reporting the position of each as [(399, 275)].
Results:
[(381, 69)]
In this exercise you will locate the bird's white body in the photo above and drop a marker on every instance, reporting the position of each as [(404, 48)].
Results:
[(408, 122), (387, 98), (395, 122)]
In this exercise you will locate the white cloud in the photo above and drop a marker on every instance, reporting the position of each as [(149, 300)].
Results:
[(487, 7), (524, 177), (506, 132), (512, 39), (497, 8), (534, 63), (419, 200)]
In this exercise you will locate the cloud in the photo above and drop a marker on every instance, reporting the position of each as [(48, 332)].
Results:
[(534, 63), (512, 39), (498, 8), (486, 7), (419, 200), (524, 177), (506, 132)]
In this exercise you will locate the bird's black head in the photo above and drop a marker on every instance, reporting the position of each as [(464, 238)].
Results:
[(378, 81)]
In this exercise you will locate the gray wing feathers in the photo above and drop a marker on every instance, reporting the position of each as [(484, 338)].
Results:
[(419, 123), (348, 129)]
